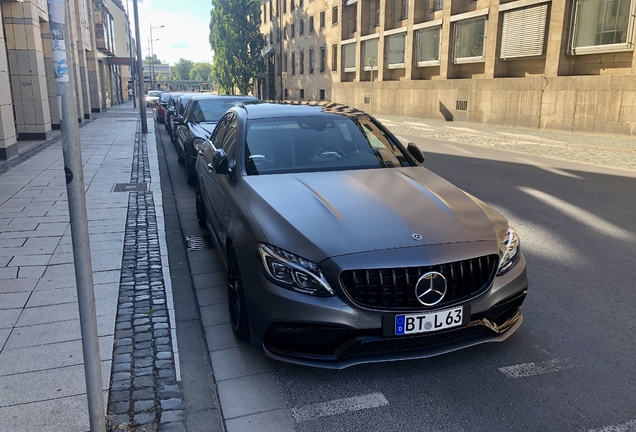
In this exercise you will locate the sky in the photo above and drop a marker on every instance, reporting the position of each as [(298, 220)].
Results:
[(185, 32)]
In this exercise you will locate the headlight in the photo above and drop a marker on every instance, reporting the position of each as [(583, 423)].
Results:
[(509, 251), (197, 143), (293, 272)]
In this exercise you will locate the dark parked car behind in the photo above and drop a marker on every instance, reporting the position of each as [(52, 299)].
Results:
[(341, 248), (199, 119), (172, 102), (179, 109), (160, 108)]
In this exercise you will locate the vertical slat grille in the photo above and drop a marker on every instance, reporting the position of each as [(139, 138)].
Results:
[(394, 288)]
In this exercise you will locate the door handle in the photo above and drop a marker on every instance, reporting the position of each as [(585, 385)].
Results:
[(210, 167), (201, 152)]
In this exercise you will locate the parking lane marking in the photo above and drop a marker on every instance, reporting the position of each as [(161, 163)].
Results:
[(532, 369), (587, 218), (629, 426), (339, 406), (459, 149), (550, 169)]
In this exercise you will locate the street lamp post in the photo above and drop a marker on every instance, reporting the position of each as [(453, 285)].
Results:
[(152, 56)]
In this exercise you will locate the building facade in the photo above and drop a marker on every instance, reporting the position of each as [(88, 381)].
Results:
[(28, 100), (561, 64)]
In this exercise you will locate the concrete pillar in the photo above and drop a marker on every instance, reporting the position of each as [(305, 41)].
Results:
[(50, 75), (27, 70), (8, 146), (94, 81), (556, 62)]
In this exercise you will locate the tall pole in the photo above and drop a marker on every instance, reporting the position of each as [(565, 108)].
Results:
[(61, 49), (280, 45), (132, 76), (152, 65), (140, 73)]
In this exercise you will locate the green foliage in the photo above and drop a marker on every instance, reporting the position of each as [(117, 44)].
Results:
[(201, 71), (152, 60), (160, 76), (181, 70), (236, 40)]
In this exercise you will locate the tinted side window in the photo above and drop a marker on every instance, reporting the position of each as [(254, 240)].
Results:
[(219, 132), (229, 143)]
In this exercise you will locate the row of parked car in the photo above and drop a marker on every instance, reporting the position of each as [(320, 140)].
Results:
[(340, 246)]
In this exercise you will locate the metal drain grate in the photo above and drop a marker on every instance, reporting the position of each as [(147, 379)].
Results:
[(199, 242), (130, 187)]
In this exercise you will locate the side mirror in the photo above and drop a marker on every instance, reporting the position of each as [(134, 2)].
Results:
[(177, 120), (163, 104), (415, 152), (220, 163)]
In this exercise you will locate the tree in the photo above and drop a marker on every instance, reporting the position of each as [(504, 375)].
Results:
[(181, 70), (237, 41), (160, 76), (201, 71)]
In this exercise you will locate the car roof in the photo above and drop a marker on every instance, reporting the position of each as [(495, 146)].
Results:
[(295, 109)]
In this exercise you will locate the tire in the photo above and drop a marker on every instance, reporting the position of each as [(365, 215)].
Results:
[(200, 207), (236, 298)]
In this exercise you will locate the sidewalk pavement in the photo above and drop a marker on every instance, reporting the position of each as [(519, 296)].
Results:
[(41, 369), (41, 361)]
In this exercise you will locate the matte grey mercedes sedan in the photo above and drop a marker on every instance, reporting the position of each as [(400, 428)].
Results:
[(341, 248)]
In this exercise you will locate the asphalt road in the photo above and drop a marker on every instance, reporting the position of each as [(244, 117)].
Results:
[(571, 365)]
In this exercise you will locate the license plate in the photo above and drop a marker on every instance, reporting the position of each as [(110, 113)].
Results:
[(429, 322)]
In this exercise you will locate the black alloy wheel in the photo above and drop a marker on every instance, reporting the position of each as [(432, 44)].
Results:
[(199, 206), (236, 298)]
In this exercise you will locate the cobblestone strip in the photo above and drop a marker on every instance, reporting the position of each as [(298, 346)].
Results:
[(144, 393)]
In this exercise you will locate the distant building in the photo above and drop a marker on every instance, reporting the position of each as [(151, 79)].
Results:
[(563, 64), (98, 31)]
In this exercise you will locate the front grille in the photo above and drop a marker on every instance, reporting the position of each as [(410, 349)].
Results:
[(394, 288), (321, 340)]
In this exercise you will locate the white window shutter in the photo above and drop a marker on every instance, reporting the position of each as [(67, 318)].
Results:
[(523, 33)]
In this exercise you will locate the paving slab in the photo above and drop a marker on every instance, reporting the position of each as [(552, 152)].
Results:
[(44, 385), (13, 300), (238, 362), (8, 318), (47, 416), (249, 395), (277, 420)]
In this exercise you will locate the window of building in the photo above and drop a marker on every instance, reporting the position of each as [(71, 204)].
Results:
[(285, 63), (374, 13), (351, 17), (301, 30), (369, 50), (311, 60), (285, 31), (311, 25), (301, 3), (265, 13), (293, 30), (322, 94), (469, 46), (602, 26), (293, 63), (322, 19), (271, 12), (277, 35), (401, 9), (523, 32), (438, 5), (395, 50), (271, 36), (302, 63), (349, 57), (334, 15), (286, 94), (323, 58), (302, 93), (334, 57), (427, 43), (292, 5), (284, 6)]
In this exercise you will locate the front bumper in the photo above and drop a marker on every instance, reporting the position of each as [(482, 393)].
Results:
[(335, 333)]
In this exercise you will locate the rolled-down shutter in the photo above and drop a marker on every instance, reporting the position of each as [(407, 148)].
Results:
[(523, 33)]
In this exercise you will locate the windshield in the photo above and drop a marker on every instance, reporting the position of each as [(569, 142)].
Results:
[(323, 143), (154, 93), (165, 97), (211, 110)]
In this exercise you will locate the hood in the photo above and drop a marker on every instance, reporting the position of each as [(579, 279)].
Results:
[(328, 214)]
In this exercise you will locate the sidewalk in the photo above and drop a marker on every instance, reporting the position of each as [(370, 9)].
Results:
[(41, 366)]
